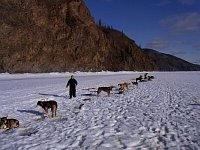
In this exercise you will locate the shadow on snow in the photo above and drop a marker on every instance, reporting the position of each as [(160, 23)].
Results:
[(54, 95), (37, 113)]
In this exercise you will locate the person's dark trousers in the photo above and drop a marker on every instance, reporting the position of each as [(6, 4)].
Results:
[(72, 92)]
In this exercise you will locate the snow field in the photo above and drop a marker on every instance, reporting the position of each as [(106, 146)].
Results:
[(158, 114)]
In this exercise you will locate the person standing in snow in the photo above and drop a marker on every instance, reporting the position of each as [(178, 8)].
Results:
[(72, 83)]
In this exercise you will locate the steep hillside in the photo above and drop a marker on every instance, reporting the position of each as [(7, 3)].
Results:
[(125, 54), (44, 36), (61, 35), (169, 62)]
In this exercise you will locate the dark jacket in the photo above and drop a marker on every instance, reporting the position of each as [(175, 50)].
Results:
[(72, 83)]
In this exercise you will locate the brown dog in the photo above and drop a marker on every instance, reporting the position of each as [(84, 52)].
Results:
[(8, 123), (123, 86), (48, 104), (105, 89)]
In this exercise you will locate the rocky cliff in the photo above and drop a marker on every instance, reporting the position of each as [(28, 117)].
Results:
[(61, 35)]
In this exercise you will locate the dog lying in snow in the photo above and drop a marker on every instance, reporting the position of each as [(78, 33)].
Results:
[(6, 123), (48, 105), (105, 89)]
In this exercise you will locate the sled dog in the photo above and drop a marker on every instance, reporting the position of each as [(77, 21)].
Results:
[(135, 83), (6, 123), (48, 105), (105, 89), (123, 86)]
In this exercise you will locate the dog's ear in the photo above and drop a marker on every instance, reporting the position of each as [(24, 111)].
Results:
[(39, 103), (4, 119)]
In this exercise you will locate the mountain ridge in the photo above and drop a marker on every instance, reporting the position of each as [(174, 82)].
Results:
[(61, 35)]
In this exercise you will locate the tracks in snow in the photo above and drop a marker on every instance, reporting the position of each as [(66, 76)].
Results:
[(157, 114)]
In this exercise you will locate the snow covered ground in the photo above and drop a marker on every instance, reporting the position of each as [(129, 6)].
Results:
[(160, 114)]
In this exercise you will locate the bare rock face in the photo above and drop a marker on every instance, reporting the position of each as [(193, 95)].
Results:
[(48, 35), (61, 35)]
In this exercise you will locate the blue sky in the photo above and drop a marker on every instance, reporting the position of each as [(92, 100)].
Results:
[(168, 26)]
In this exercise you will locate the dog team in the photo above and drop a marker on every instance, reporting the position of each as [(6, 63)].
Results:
[(125, 85), (6, 123)]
